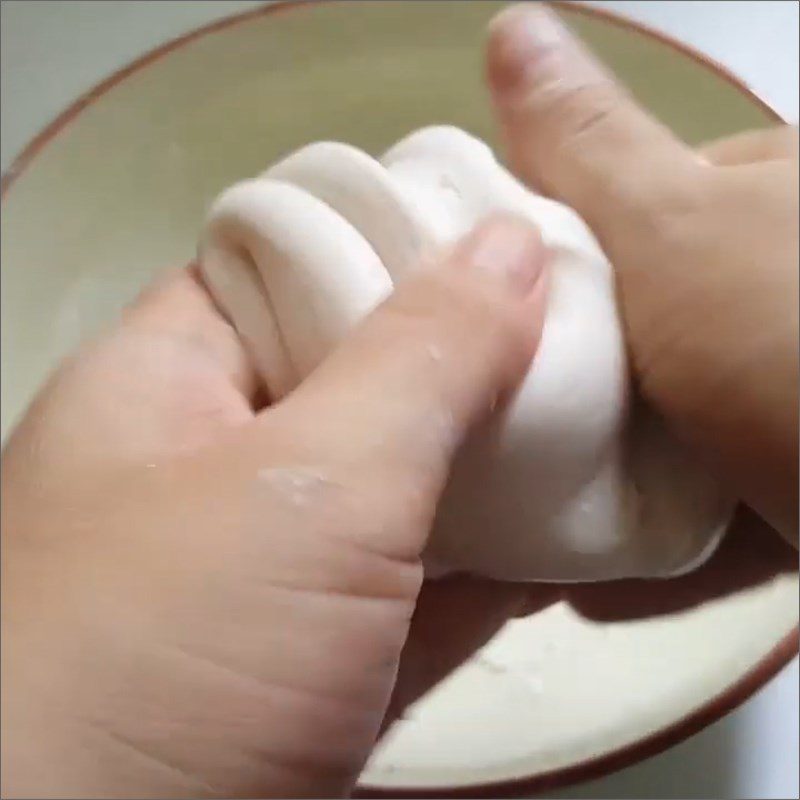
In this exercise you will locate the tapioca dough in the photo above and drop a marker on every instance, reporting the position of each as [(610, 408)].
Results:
[(576, 480)]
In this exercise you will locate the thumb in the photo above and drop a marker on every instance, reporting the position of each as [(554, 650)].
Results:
[(400, 393), (571, 129)]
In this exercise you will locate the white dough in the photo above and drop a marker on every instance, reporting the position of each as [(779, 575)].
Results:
[(572, 481)]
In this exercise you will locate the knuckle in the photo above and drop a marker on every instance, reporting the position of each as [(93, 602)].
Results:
[(658, 204), (582, 111), (588, 111), (669, 208)]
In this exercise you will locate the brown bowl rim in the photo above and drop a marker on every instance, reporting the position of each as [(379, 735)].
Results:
[(695, 721)]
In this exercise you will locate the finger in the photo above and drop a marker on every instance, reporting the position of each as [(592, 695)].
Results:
[(774, 144), (387, 410), (179, 307), (571, 129), (437, 354)]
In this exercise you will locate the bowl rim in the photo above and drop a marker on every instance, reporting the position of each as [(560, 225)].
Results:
[(580, 7), (653, 743)]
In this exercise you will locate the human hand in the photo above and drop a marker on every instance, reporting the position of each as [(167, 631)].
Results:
[(749, 555), (203, 598), (705, 250)]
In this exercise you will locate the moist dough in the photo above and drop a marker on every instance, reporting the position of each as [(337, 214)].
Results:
[(576, 480)]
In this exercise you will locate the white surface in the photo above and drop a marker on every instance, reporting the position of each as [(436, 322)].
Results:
[(54, 51)]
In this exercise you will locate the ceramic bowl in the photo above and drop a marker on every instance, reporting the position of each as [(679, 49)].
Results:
[(115, 189)]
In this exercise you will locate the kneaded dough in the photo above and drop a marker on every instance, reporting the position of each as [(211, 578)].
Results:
[(576, 480)]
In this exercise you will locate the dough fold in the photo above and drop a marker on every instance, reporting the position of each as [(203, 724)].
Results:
[(576, 480)]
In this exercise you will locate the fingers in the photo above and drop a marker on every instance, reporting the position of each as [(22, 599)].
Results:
[(179, 307), (774, 144), (433, 359), (570, 128)]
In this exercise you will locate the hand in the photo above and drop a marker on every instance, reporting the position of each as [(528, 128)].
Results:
[(705, 250), (203, 598)]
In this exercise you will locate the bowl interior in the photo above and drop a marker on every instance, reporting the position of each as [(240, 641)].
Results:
[(119, 192)]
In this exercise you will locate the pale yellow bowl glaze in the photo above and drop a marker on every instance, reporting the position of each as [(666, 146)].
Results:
[(116, 189)]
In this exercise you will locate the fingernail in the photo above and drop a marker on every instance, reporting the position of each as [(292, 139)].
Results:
[(505, 248), (529, 46)]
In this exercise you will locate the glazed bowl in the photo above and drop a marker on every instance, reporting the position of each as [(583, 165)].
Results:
[(115, 189)]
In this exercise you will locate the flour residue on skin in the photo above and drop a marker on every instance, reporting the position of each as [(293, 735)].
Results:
[(444, 429), (434, 352), (299, 484)]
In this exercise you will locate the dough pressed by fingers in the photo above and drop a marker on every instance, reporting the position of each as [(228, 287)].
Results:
[(576, 480)]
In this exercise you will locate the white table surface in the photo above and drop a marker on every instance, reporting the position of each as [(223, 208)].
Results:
[(54, 50)]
